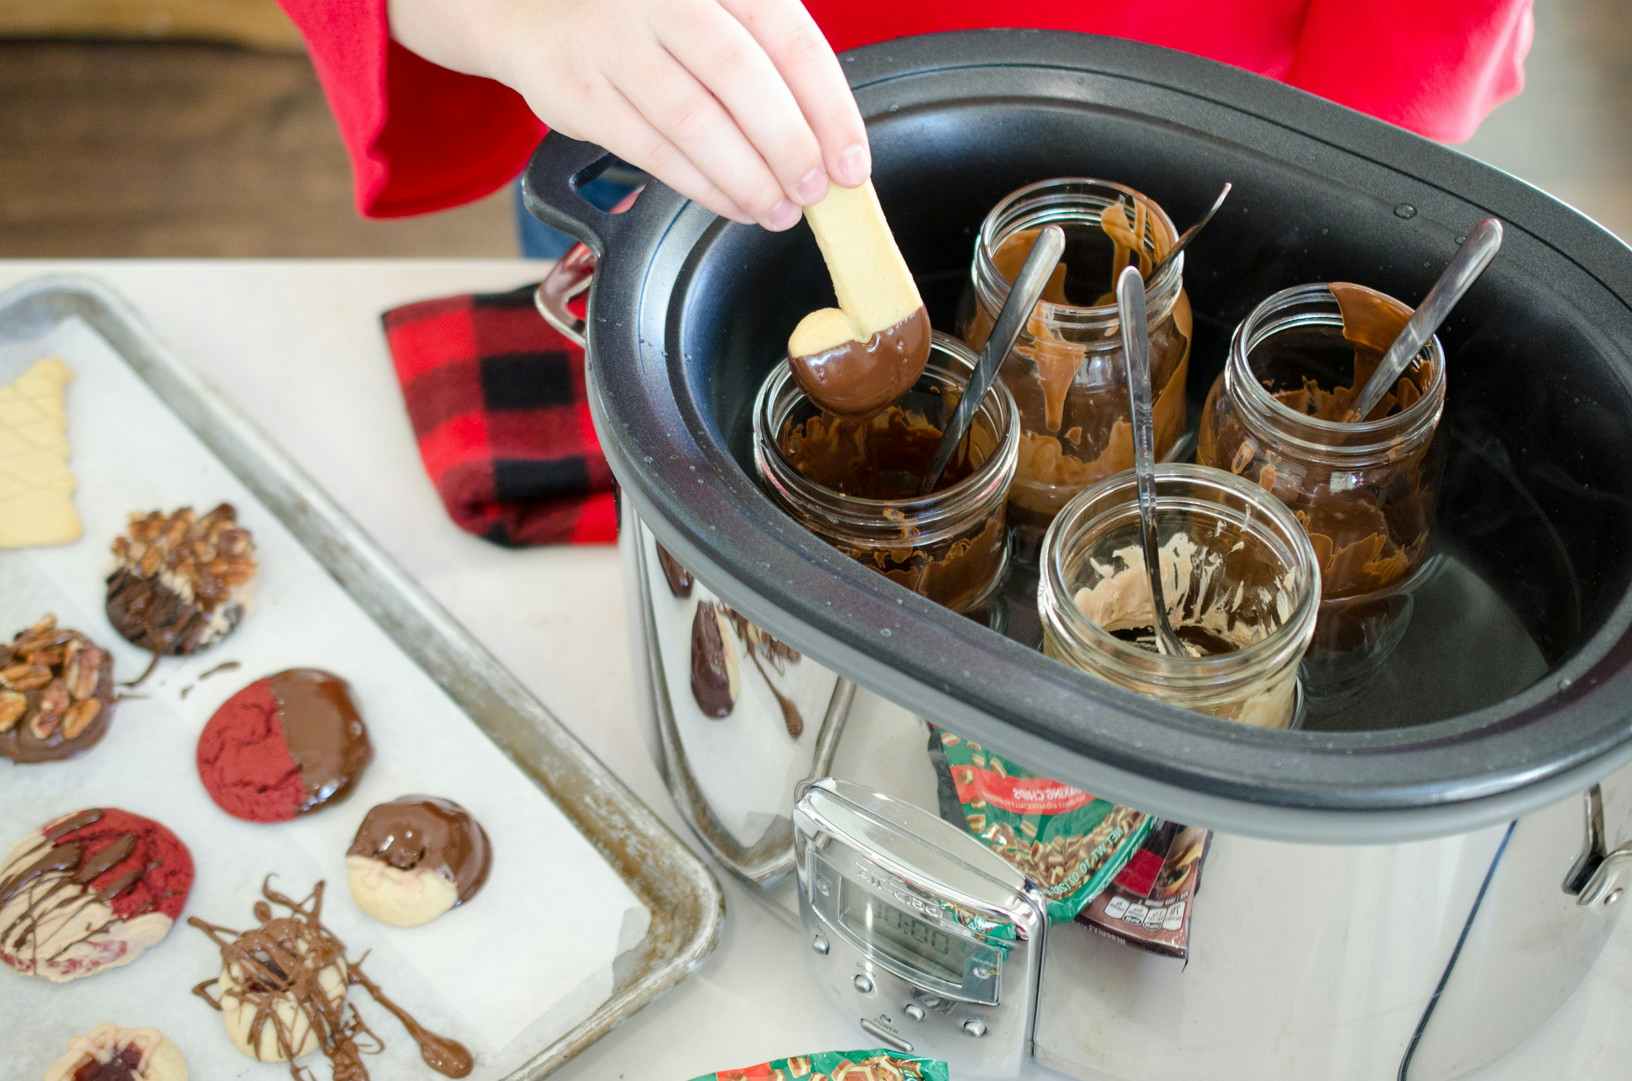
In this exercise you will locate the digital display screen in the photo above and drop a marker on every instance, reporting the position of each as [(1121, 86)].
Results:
[(907, 938)]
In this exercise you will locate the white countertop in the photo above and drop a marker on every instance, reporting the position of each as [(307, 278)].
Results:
[(297, 347)]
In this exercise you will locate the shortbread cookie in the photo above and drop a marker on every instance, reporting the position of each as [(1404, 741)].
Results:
[(36, 483)]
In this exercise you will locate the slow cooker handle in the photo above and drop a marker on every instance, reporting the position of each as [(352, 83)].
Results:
[(549, 190)]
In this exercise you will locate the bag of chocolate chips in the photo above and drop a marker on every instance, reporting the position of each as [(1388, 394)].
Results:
[(1068, 842), (839, 1066), (1149, 904)]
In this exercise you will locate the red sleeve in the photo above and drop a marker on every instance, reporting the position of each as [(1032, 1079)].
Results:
[(1436, 68), (421, 137)]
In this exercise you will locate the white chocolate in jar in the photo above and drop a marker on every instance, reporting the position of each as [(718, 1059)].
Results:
[(1120, 600)]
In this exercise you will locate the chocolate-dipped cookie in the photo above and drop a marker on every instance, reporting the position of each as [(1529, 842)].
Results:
[(283, 988), (56, 693), (285, 745), (90, 891), (111, 1053), (181, 582), (415, 858)]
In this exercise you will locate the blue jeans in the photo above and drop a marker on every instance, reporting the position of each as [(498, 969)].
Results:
[(540, 241)]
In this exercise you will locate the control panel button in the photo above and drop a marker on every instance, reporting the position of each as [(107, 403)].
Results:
[(913, 1011), (931, 1002), (863, 983), (974, 1027), (820, 945)]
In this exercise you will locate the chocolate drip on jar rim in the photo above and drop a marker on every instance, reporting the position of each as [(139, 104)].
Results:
[(284, 959), (858, 377), (429, 833)]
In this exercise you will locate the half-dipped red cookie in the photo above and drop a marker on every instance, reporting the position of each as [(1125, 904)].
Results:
[(56, 693), (182, 582), (415, 858), (90, 891), (111, 1053), (285, 745)]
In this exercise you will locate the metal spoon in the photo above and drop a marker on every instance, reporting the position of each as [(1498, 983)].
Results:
[(1461, 272), (1023, 296), (1130, 303), (1190, 234)]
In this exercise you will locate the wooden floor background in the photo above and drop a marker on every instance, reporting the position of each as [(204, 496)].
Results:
[(138, 149)]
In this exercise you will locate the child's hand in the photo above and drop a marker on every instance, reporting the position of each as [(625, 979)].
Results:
[(738, 104)]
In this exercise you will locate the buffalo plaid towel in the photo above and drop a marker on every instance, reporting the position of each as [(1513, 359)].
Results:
[(496, 396)]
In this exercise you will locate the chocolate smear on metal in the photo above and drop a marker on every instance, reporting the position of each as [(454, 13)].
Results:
[(761, 647), (283, 959), (710, 668), (679, 579)]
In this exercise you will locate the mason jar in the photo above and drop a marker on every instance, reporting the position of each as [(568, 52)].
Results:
[(1241, 587), (855, 482), (1067, 371), (1365, 491)]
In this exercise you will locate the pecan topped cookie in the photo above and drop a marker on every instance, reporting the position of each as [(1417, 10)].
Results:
[(182, 581), (56, 693)]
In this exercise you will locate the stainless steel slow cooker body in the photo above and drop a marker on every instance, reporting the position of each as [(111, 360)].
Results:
[(687, 315), (1447, 883)]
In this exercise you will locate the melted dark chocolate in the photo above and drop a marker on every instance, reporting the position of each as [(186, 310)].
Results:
[(424, 831), (884, 456), (855, 378)]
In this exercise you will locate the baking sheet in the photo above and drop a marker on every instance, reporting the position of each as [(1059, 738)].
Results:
[(525, 975)]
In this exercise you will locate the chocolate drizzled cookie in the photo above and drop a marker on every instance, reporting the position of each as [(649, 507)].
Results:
[(282, 993), (56, 693), (182, 582)]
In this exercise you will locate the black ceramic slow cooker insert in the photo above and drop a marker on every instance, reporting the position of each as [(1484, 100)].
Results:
[(1516, 690)]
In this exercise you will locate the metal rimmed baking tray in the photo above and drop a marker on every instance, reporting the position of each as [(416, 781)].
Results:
[(680, 893)]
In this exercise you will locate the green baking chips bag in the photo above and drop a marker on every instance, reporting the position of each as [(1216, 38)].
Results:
[(1068, 842), (839, 1066)]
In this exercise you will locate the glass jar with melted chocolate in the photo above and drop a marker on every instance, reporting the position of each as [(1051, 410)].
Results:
[(1067, 371), (1239, 579), (1365, 491), (854, 481)]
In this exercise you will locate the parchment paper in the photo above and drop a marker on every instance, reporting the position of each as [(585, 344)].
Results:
[(528, 958)]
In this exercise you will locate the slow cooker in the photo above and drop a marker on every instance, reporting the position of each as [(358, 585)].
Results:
[(1406, 886)]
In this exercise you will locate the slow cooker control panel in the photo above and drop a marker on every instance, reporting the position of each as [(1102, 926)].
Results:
[(928, 939)]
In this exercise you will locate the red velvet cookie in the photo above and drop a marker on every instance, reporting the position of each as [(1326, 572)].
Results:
[(283, 746), (90, 891)]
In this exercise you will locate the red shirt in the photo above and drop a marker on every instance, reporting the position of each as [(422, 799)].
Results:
[(423, 138)]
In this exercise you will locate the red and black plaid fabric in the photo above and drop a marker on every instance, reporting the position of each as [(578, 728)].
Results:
[(497, 400)]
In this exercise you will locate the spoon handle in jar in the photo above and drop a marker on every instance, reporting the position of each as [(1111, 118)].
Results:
[(1023, 296), (1130, 302), (1460, 273)]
